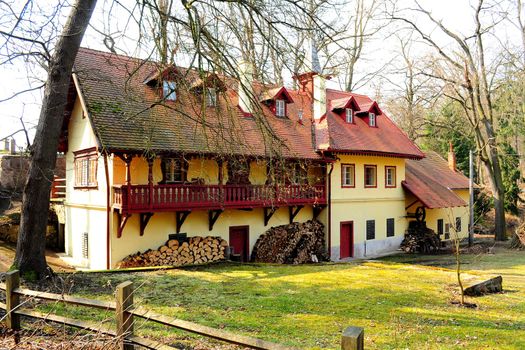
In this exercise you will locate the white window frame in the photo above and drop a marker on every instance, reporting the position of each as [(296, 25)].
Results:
[(392, 170), (371, 119), (280, 108), (349, 114), (169, 89), (211, 97), (348, 177)]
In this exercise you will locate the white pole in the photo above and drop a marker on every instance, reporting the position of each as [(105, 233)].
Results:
[(471, 199)]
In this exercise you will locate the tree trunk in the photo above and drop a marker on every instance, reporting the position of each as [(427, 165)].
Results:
[(30, 250)]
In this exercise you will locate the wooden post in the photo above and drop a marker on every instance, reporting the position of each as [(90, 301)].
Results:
[(150, 182), (12, 300), (124, 296), (353, 339)]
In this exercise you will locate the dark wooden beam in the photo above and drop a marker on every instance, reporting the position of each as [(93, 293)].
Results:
[(181, 217), (246, 209), (213, 215), (293, 211), (144, 219), (122, 220), (317, 210), (268, 213)]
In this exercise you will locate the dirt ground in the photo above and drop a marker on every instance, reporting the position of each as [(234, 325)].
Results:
[(7, 255)]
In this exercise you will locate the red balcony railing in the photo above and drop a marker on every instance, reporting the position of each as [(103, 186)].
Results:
[(139, 198)]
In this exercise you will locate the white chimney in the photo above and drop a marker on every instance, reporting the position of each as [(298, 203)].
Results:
[(13, 146), (245, 90), (319, 95)]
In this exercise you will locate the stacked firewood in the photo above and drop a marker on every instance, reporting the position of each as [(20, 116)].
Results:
[(194, 250), (297, 243), (420, 239)]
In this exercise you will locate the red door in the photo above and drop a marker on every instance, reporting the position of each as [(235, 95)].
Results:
[(347, 240), (239, 241)]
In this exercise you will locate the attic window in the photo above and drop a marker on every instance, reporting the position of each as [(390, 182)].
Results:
[(169, 90), (371, 119), (280, 108), (211, 97), (300, 114), (349, 115)]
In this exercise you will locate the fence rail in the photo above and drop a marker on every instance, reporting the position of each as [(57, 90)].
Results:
[(125, 311)]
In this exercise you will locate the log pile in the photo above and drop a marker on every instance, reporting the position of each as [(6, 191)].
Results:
[(420, 239), (296, 243), (518, 238), (195, 250)]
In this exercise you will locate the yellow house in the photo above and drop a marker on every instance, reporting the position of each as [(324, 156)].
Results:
[(156, 151)]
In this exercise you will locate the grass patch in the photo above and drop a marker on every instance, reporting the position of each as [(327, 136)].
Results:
[(402, 301)]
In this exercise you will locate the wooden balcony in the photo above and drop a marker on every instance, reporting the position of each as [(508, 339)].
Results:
[(158, 198)]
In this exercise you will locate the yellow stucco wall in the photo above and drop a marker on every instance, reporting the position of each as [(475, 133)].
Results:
[(85, 209), (360, 204), (163, 224)]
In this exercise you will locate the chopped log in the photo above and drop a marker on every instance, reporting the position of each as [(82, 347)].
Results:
[(420, 239), (291, 244), (493, 285), (518, 238), (176, 254)]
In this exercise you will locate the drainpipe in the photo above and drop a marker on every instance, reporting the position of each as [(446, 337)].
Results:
[(330, 211), (108, 209)]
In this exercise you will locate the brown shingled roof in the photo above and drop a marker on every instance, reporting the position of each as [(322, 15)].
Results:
[(127, 116), (432, 182)]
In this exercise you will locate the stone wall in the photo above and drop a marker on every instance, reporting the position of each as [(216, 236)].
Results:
[(14, 168), (13, 172)]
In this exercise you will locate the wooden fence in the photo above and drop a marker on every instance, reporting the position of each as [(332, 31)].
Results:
[(352, 338)]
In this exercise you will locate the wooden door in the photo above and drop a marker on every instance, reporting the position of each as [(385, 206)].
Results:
[(239, 241), (346, 240)]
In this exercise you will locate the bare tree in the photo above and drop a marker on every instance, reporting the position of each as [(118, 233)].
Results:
[(466, 79), (30, 252)]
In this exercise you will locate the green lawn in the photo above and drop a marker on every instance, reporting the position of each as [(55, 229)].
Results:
[(403, 302)]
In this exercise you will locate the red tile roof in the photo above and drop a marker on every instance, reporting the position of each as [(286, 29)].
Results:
[(129, 115), (432, 182), (334, 134)]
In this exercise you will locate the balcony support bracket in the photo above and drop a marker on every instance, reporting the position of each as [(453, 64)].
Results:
[(122, 220), (180, 217), (293, 211), (144, 219), (317, 210), (213, 215), (268, 213)]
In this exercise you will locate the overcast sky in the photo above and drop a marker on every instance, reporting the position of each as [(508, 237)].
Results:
[(457, 14)]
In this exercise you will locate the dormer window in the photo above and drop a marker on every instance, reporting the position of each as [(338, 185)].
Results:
[(371, 119), (169, 90), (211, 97), (300, 115), (349, 114), (280, 108)]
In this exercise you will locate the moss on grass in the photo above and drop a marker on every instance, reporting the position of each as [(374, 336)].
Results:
[(403, 302)]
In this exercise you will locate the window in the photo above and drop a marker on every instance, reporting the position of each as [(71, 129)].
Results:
[(447, 231), (390, 176), (211, 97), (458, 224), (390, 227), (349, 114), (280, 108), (440, 227), (300, 114), (370, 229), (173, 170), (169, 90), (370, 176), (347, 175), (86, 168), (372, 119)]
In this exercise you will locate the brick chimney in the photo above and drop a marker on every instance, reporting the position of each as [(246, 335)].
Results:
[(312, 81), (451, 157)]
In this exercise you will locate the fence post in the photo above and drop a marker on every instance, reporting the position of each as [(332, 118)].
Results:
[(124, 295), (353, 339), (12, 301)]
